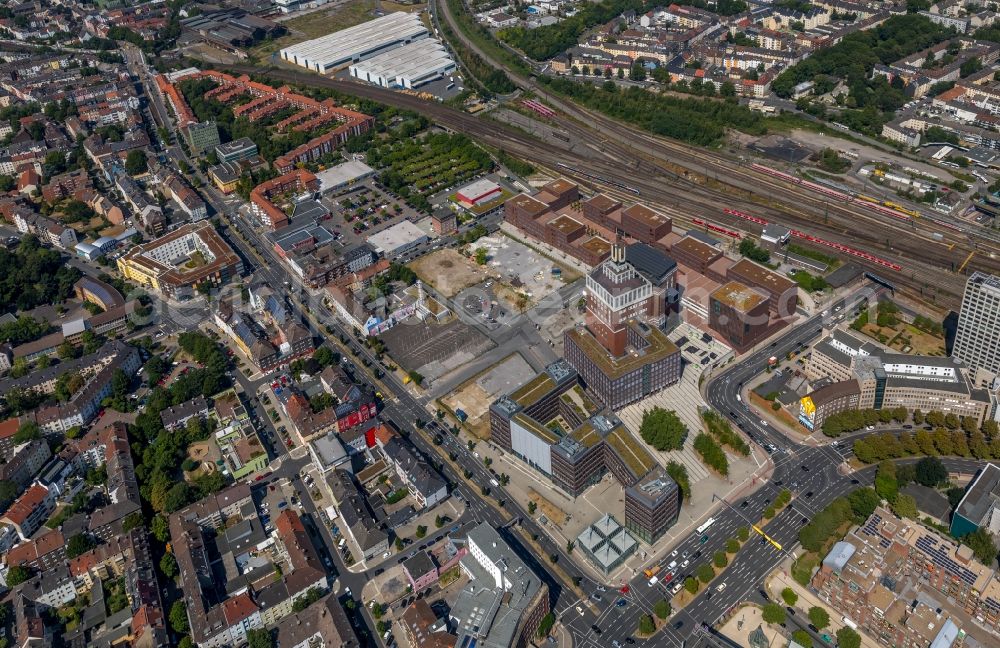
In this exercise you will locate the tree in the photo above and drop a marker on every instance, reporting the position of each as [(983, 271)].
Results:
[(678, 472), (259, 638), (545, 626), (905, 506), (732, 545), (132, 521), (819, 617), (136, 162), (661, 609), (691, 585), (705, 573), (481, 256), (720, 559), (325, 356), (982, 545), (532, 507), (160, 528), (178, 617), (646, 625), (885, 481), (863, 501), (743, 533), (66, 350), (663, 429), (168, 565), (773, 614), (28, 431), (711, 453), (931, 472), (17, 574), (79, 544), (802, 638), (848, 638), (311, 596), (789, 596)]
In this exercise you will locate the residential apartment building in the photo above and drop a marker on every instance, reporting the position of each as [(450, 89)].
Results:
[(426, 486), (244, 595), (176, 264), (881, 572), (357, 520)]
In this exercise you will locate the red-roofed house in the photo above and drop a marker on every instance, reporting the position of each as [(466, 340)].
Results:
[(242, 614), (28, 512), (8, 429), (44, 552), (310, 425), (28, 181)]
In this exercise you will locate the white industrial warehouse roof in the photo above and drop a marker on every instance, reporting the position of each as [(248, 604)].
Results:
[(414, 62), (343, 174), (398, 236), (355, 43)]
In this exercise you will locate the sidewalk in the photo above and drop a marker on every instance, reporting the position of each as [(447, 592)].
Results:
[(779, 580)]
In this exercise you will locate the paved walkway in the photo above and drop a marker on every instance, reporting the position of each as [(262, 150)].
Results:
[(685, 399)]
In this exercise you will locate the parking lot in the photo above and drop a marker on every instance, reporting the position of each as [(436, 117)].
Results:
[(434, 349), (364, 210)]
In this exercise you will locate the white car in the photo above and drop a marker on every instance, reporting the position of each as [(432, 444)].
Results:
[(579, 609), (685, 564), (721, 587)]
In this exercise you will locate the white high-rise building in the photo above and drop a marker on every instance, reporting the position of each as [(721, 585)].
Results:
[(977, 339)]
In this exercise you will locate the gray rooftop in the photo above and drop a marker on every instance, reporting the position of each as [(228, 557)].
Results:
[(650, 262), (839, 555), (981, 496), (607, 543), (654, 488), (488, 613)]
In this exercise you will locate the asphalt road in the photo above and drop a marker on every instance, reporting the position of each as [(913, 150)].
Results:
[(811, 473)]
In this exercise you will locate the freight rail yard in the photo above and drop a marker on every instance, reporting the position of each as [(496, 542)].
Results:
[(689, 183)]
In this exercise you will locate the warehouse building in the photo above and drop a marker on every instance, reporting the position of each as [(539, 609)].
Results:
[(356, 43), (409, 66), (395, 240)]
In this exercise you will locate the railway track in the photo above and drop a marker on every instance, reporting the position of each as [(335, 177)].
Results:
[(682, 198), (948, 256)]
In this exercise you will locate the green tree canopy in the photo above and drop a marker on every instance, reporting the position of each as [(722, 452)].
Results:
[(819, 617), (259, 638), (982, 545), (136, 162), (663, 429), (773, 614), (931, 472)]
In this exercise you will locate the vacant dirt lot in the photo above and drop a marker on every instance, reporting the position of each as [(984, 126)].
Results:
[(448, 272)]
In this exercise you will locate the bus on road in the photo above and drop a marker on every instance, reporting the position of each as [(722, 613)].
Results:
[(709, 522)]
